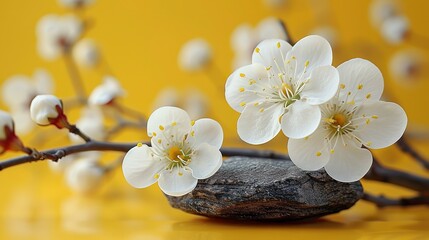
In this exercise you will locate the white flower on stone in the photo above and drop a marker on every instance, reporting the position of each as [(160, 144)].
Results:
[(182, 152), (56, 34), (245, 38), (46, 109), (354, 117), (282, 89), (84, 175), (195, 55), (18, 91), (395, 29), (107, 92), (86, 53), (406, 65), (75, 3)]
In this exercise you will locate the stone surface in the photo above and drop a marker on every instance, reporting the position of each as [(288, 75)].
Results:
[(267, 189)]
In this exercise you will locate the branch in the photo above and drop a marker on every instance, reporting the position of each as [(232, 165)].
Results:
[(382, 201), (388, 175), (406, 147), (57, 153)]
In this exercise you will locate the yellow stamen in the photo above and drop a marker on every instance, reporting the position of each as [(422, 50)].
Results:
[(342, 86), (318, 154), (139, 144), (173, 123), (360, 86), (257, 50), (241, 89), (192, 123), (242, 75), (161, 127), (242, 104), (368, 95), (278, 45)]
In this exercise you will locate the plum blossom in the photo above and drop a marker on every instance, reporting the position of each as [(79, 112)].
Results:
[(107, 92), (354, 117), (18, 91), (282, 89), (182, 152), (195, 55), (57, 34), (86, 53), (245, 38)]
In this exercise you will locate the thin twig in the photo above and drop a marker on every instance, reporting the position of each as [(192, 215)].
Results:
[(73, 129), (381, 173), (403, 144), (75, 77), (382, 201)]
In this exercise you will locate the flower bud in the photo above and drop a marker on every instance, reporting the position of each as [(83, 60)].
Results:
[(8, 139), (106, 93), (84, 176), (48, 109), (86, 53), (195, 55)]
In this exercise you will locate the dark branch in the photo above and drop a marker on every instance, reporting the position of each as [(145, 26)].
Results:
[(406, 147), (382, 201), (384, 174)]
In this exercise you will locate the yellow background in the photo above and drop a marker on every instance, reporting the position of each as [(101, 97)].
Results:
[(140, 41)]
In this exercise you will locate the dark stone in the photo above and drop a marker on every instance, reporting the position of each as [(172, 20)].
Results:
[(267, 189)]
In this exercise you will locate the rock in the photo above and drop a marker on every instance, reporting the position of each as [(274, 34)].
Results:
[(267, 189)]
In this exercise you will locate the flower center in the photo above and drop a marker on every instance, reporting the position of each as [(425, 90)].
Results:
[(339, 119), (288, 95), (175, 154)]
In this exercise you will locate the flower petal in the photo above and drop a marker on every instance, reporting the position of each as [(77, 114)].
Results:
[(309, 153), (322, 85), (301, 120), (259, 124), (206, 131), (348, 163), (271, 54), (385, 124), (171, 120), (177, 182), (140, 168), (362, 79), (314, 49), (205, 162), (242, 85)]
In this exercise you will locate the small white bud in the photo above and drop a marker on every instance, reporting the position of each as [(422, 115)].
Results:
[(395, 29), (45, 109), (106, 92), (6, 121), (84, 176), (86, 53), (195, 55)]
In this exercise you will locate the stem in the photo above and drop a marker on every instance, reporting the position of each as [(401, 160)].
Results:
[(382, 201), (75, 77), (406, 147), (396, 177), (287, 33), (73, 129), (57, 153)]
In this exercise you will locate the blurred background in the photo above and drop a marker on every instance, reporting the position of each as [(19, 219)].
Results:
[(181, 53)]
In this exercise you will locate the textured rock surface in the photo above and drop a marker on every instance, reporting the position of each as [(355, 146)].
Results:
[(266, 189)]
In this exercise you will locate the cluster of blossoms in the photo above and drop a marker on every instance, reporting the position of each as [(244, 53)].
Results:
[(328, 113)]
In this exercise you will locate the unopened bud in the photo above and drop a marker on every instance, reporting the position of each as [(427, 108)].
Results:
[(8, 139), (48, 109)]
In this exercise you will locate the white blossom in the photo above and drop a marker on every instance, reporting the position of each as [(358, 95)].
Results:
[(86, 53), (84, 175), (46, 109), (406, 65), (282, 89), (182, 152), (395, 29), (18, 91), (56, 34), (107, 92), (354, 117), (195, 55)]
